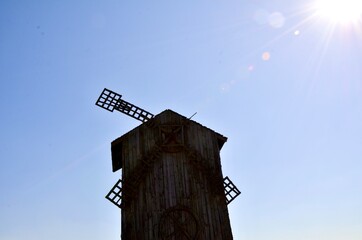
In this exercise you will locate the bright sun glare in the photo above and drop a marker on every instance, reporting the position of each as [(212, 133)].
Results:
[(340, 11)]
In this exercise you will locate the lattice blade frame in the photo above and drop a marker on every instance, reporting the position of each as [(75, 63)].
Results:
[(133, 111), (115, 194), (111, 101), (231, 191), (108, 100)]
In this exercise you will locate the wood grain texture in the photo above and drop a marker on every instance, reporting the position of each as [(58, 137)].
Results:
[(172, 177)]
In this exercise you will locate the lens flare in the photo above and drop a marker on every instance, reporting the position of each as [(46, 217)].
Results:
[(339, 11), (265, 56)]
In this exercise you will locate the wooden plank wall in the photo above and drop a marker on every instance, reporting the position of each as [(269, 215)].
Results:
[(174, 180)]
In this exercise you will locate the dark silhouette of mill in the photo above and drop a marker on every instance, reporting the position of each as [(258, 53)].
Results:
[(172, 187)]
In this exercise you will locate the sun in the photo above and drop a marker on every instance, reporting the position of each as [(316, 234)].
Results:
[(340, 11)]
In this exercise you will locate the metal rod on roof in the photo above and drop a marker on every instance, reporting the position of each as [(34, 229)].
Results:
[(192, 115)]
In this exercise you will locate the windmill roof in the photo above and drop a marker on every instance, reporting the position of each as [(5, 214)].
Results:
[(117, 158), (188, 119)]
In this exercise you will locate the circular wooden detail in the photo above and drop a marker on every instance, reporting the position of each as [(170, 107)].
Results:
[(178, 223)]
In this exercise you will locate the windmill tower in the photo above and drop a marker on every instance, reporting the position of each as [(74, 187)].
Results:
[(172, 187)]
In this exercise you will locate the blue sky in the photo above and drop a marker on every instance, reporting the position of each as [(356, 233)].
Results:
[(282, 83)]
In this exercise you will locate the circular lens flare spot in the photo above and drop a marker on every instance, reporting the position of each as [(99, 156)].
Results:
[(276, 20), (265, 56)]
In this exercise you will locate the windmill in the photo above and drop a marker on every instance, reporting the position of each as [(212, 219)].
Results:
[(171, 185)]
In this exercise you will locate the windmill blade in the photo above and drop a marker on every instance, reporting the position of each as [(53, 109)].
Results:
[(111, 101), (115, 194), (133, 111), (231, 191), (108, 100)]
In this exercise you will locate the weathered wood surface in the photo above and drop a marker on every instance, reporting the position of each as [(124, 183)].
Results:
[(177, 193)]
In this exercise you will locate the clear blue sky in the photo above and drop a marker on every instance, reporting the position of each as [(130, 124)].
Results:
[(283, 84)]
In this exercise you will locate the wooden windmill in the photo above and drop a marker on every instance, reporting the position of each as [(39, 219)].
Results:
[(172, 187)]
